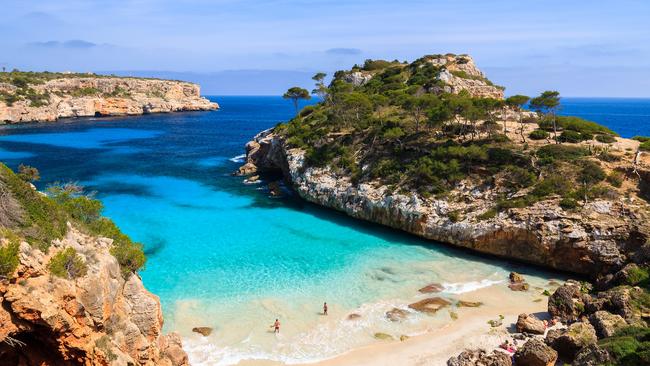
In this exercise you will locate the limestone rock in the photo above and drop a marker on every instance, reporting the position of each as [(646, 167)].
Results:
[(530, 324), (139, 96), (567, 302), (569, 341), (469, 304), (535, 353), (204, 331), (516, 277), (396, 314), (591, 355), (480, 358), (606, 323), (434, 287), (430, 305), (98, 319)]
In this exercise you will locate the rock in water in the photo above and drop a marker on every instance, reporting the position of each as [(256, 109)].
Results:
[(530, 324), (535, 353), (204, 331), (274, 189), (431, 305), (519, 286), (469, 304), (396, 314), (516, 277), (354, 316), (434, 287), (383, 336)]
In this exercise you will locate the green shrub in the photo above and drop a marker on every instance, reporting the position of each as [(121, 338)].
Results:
[(637, 275), (641, 138), (615, 178), (555, 152), (630, 346), (538, 135), (553, 184), (28, 173), (607, 139), (568, 203), (591, 172), (455, 216), (516, 177), (372, 65), (571, 136), (489, 214), (644, 146), (67, 264), (9, 253), (85, 92), (576, 124), (130, 256)]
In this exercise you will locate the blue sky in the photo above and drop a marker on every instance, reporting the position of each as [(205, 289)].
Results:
[(579, 47)]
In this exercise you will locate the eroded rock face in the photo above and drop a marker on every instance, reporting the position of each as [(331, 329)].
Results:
[(535, 353), (134, 96), (543, 233), (530, 324), (569, 341), (98, 319), (606, 323), (480, 358)]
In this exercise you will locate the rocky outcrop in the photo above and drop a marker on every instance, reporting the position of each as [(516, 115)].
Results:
[(571, 340), (480, 358), (535, 353), (530, 324), (97, 319), (600, 239), (104, 96)]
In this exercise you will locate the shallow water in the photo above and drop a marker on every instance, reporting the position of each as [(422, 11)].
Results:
[(224, 254)]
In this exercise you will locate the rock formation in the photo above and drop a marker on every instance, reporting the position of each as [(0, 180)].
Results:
[(97, 319), (601, 239), (101, 96)]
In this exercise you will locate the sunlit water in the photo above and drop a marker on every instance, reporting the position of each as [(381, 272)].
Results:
[(224, 254)]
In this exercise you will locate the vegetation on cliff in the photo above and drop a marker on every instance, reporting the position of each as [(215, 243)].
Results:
[(39, 219), (402, 127)]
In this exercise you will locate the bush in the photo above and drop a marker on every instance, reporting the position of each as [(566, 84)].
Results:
[(571, 137), (130, 256), (644, 146), (538, 135), (67, 264), (550, 153), (606, 139), (629, 346), (455, 216), (9, 253), (568, 203), (591, 173), (576, 124), (372, 65), (489, 214), (28, 173), (637, 276), (615, 178), (641, 138), (517, 177), (553, 184)]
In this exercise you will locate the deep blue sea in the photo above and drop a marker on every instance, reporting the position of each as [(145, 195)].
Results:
[(224, 254)]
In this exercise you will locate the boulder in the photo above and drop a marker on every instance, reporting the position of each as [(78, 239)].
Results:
[(430, 305), (591, 355), (204, 331), (535, 353), (567, 302), (434, 287), (570, 340), (530, 324), (396, 314), (606, 323), (480, 357), (516, 277)]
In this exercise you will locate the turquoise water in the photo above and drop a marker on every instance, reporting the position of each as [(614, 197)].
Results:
[(224, 254)]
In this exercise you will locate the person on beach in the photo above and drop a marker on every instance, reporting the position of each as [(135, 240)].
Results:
[(276, 326), (325, 309)]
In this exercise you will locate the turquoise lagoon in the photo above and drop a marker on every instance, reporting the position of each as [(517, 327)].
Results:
[(224, 254)]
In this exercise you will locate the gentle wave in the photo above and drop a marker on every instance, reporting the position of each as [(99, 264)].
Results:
[(463, 287), (238, 158)]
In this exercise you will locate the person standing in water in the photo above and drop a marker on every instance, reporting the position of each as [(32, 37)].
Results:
[(276, 326), (325, 309)]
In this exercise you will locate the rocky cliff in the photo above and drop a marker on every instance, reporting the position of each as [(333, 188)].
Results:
[(68, 297), (600, 238), (97, 319), (87, 96)]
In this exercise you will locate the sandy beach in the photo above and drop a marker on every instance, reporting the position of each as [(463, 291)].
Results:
[(470, 330)]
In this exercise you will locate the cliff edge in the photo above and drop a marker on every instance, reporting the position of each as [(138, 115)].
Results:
[(45, 97), (68, 293)]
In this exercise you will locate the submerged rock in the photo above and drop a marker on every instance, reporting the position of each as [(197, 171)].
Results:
[(469, 304), (204, 331), (432, 288), (396, 314), (383, 336), (353, 316), (430, 305)]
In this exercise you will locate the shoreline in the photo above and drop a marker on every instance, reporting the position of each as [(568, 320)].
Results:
[(438, 343)]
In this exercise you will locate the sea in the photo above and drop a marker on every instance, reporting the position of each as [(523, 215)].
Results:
[(225, 254)]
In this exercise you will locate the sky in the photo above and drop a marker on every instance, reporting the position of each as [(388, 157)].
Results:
[(262, 47)]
